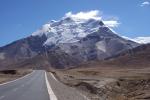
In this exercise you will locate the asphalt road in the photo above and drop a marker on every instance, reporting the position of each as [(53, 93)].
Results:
[(31, 87), (38, 86)]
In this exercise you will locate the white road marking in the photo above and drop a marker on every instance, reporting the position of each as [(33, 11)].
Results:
[(85, 97), (2, 97), (54, 77), (50, 91), (17, 79)]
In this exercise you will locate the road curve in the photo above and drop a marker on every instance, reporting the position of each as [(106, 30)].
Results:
[(30, 87)]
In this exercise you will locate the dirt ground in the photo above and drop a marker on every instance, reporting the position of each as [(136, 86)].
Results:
[(108, 83), (5, 77)]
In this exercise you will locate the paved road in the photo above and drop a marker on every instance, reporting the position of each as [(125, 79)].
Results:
[(31, 87), (38, 86)]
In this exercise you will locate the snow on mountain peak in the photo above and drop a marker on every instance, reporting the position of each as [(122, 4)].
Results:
[(68, 29), (72, 27), (45, 29)]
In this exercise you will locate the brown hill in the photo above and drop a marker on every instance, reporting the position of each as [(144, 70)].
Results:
[(138, 57)]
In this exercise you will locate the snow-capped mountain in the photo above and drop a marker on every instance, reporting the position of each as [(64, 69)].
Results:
[(68, 30), (69, 41)]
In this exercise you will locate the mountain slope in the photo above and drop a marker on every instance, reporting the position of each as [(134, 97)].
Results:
[(138, 57), (21, 50)]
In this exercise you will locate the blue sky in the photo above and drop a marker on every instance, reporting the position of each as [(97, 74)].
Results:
[(19, 18)]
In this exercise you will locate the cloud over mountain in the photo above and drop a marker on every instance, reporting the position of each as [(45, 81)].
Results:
[(93, 14)]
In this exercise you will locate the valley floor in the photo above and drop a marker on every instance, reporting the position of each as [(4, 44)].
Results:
[(108, 83)]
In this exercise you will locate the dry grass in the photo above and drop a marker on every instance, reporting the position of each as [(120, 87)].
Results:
[(9, 77)]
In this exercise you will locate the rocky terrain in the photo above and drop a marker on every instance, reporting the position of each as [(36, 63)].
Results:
[(108, 83)]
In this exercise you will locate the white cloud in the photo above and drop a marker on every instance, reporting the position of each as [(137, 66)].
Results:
[(142, 40), (95, 14), (44, 29), (146, 3), (112, 23)]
